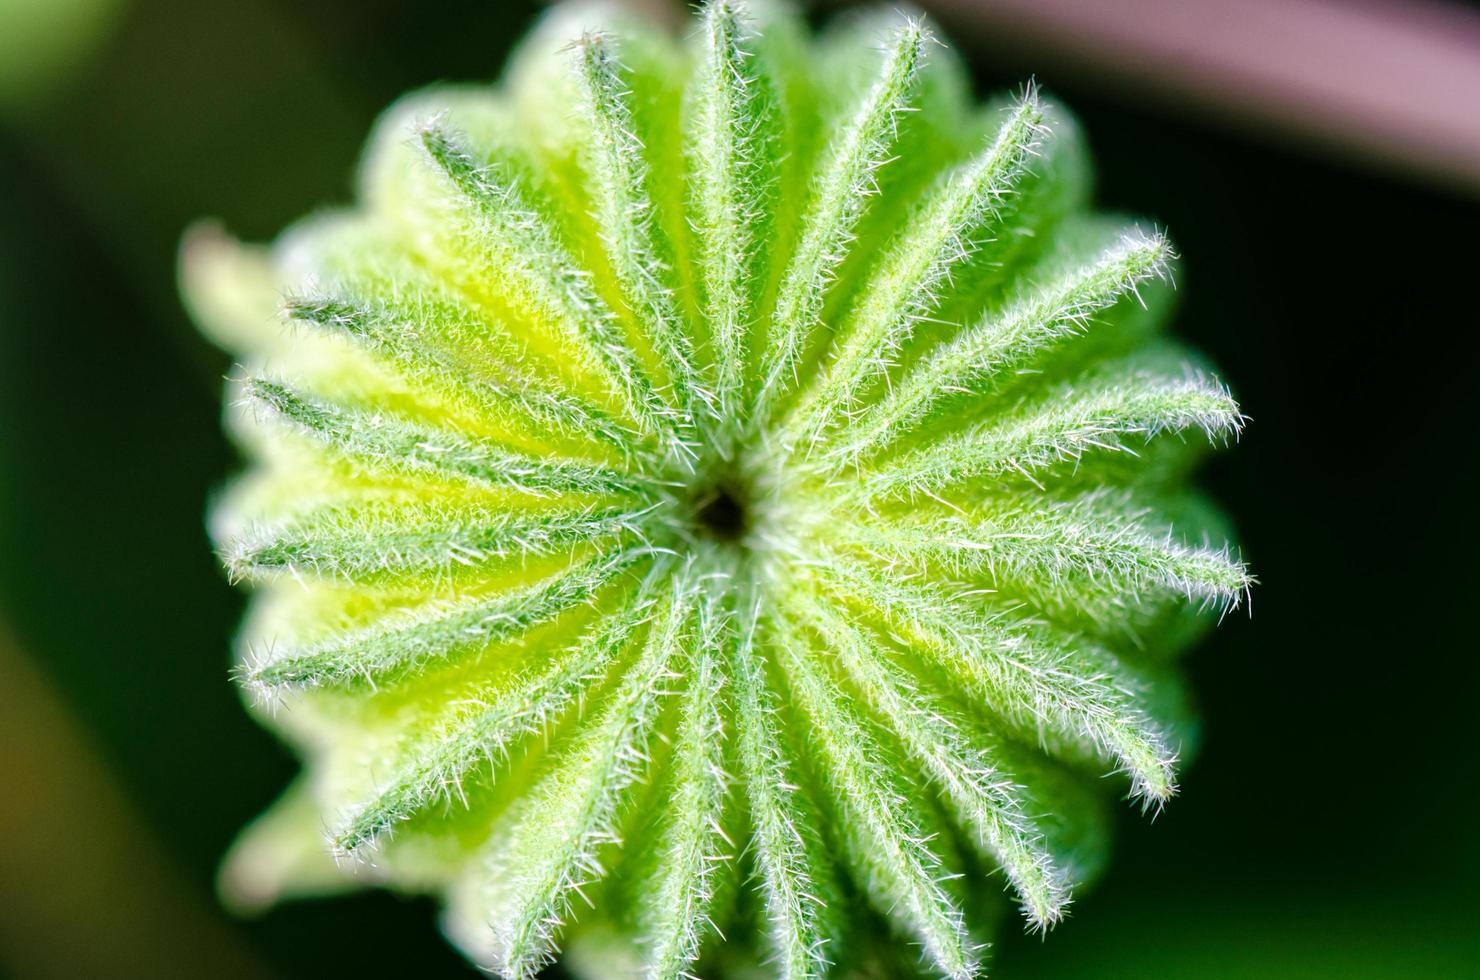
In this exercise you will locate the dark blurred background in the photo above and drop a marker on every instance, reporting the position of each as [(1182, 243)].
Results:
[(1328, 828)]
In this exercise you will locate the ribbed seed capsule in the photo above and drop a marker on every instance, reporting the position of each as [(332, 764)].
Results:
[(696, 499)]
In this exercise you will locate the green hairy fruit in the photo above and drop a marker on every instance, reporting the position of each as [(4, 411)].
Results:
[(704, 514)]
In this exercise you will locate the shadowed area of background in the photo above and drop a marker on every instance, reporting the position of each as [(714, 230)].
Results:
[(1327, 827)]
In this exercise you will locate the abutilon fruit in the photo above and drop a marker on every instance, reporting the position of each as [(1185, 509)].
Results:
[(704, 514)]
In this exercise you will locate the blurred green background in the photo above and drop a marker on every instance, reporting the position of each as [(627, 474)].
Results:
[(1328, 828)]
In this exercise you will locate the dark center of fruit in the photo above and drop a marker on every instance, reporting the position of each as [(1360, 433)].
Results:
[(721, 513)]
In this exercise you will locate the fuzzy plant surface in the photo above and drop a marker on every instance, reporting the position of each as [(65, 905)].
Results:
[(705, 516)]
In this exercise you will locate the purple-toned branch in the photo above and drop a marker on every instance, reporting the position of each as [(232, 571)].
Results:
[(1396, 82)]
